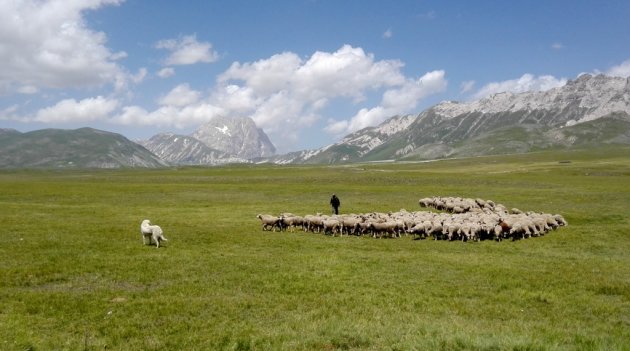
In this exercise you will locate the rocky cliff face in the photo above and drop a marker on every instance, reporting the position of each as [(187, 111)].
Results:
[(238, 137), (186, 150)]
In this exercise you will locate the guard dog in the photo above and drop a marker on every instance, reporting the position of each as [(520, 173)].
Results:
[(153, 232)]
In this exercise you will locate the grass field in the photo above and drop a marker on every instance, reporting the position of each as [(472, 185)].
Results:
[(74, 274)]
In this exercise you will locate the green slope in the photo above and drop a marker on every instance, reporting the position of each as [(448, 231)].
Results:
[(80, 148)]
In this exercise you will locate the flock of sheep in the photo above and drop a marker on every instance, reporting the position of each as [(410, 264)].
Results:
[(463, 219)]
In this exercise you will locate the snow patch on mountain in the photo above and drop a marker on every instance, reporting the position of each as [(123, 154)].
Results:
[(224, 130), (597, 96)]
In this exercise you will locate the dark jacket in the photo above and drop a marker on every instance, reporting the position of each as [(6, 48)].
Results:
[(334, 201)]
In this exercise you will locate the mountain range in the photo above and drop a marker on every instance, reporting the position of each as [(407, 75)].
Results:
[(589, 111)]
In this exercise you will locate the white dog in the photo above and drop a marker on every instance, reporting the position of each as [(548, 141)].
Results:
[(153, 232)]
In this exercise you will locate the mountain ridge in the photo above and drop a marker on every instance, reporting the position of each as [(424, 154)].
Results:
[(449, 128), (77, 148)]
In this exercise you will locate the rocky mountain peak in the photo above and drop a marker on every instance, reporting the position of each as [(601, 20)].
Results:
[(238, 136)]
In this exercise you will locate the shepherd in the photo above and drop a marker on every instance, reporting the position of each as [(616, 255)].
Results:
[(335, 203)]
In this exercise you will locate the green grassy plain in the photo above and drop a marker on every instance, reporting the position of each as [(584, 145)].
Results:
[(74, 274)]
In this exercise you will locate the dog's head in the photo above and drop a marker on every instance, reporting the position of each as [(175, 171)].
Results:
[(146, 222)]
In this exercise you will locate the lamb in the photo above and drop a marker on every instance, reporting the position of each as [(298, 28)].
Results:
[(153, 232)]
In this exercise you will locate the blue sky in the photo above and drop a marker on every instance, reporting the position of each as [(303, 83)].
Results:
[(307, 71)]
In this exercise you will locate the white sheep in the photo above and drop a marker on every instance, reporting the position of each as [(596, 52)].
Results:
[(269, 221)]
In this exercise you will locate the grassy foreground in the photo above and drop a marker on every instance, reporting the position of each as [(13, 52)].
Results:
[(74, 274)]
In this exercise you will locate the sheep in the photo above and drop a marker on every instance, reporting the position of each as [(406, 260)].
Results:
[(269, 221), (463, 219), (291, 222), (420, 229), (436, 230), (380, 228), (331, 225), (153, 232), (314, 223), (350, 224), (560, 220)]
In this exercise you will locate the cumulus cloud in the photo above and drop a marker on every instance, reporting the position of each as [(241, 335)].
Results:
[(526, 82), (621, 70), (181, 95), (286, 94), (288, 90), (166, 72), (47, 44), (139, 77), (467, 86), (395, 101), (168, 116), (70, 110), (187, 51)]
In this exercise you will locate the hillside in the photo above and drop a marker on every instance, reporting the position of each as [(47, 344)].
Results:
[(79, 148)]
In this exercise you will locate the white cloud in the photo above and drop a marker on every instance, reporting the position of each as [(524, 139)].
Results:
[(467, 86), (47, 44), (9, 114), (285, 94), (348, 72), (388, 33), (168, 116), (27, 89), (526, 82), (166, 72), (621, 70), (139, 77), (118, 56), (70, 110), (264, 77), (181, 95), (187, 51), (396, 101), (287, 90)]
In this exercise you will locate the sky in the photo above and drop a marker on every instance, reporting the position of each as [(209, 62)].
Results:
[(307, 72)]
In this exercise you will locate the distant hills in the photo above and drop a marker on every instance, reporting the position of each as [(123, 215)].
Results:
[(587, 112), (80, 148)]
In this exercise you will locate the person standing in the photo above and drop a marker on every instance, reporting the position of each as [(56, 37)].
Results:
[(335, 203)]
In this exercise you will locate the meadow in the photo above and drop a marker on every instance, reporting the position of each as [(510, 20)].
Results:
[(74, 274)]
